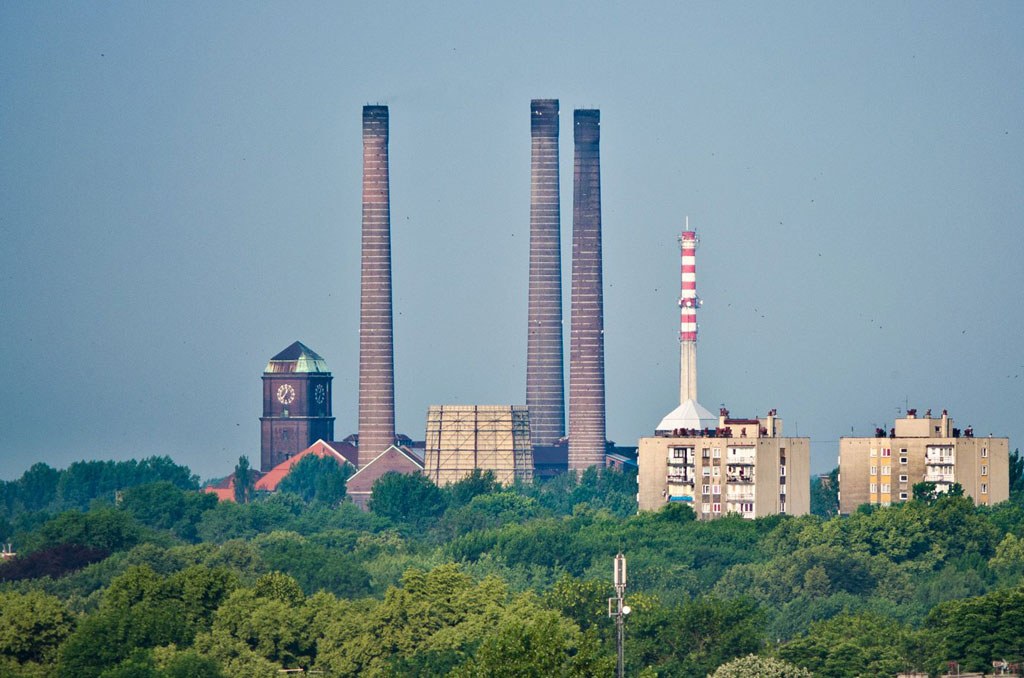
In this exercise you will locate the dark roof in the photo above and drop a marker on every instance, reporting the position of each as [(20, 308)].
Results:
[(297, 358)]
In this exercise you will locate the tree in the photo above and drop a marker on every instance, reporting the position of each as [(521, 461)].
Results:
[(475, 484), (825, 494), (162, 505), (848, 646), (1016, 473), (754, 666), (407, 498), (317, 479), (32, 626), (245, 486)]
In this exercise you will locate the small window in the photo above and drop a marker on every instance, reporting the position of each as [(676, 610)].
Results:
[(984, 452), (705, 489), (984, 488), (704, 453), (716, 452), (705, 508), (984, 469), (874, 452), (903, 461), (782, 470), (715, 471), (903, 496), (903, 478), (886, 452), (716, 489), (885, 487), (705, 471), (873, 487), (677, 453), (874, 470), (716, 508), (886, 470)]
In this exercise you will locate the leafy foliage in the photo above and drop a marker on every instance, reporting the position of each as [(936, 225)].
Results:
[(316, 478)]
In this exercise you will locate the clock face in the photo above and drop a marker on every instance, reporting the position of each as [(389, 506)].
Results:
[(319, 393), (285, 394)]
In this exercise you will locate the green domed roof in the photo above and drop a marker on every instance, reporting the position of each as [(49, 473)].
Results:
[(296, 358)]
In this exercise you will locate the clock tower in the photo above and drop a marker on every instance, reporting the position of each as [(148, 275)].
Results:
[(296, 405)]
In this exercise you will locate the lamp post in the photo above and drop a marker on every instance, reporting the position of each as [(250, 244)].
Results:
[(618, 610)]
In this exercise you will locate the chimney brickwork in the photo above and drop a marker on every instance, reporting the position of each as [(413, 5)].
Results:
[(586, 356), (376, 340), (545, 385)]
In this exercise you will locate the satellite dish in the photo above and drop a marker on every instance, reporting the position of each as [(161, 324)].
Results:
[(626, 609)]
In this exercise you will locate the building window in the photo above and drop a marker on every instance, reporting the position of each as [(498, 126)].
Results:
[(903, 461), (677, 453), (984, 452), (704, 453), (715, 471), (903, 479), (886, 470), (874, 452), (716, 452), (984, 469), (716, 508), (984, 488), (705, 471), (705, 508), (885, 487), (705, 489), (903, 496), (874, 470), (886, 452), (873, 487), (716, 489), (782, 470)]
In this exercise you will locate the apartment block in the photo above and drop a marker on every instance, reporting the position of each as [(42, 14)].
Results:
[(883, 469), (742, 466)]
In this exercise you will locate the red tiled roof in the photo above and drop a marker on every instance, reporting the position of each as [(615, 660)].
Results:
[(274, 476)]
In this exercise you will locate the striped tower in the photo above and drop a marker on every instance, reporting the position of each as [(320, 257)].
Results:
[(545, 386), (586, 354), (376, 346), (689, 302)]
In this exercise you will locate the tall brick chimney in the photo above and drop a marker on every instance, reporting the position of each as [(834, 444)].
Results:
[(545, 386), (376, 340), (586, 352)]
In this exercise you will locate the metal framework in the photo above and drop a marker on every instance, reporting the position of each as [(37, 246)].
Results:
[(461, 438)]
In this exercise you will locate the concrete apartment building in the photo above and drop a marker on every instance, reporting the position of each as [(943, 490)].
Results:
[(743, 466), (883, 469)]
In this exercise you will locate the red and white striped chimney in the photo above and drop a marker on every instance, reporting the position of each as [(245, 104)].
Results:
[(689, 302)]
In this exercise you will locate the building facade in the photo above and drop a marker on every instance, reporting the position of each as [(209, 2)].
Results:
[(742, 466), (883, 470), (296, 405)]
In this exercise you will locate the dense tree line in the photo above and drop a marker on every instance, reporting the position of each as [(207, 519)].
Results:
[(125, 569)]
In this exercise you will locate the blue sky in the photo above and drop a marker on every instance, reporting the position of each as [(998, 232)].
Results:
[(180, 200)]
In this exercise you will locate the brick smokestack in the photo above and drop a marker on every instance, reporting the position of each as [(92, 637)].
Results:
[(376, 341), (545, 386), (586, 355)]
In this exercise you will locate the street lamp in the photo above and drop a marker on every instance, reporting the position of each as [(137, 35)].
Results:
[(618, 609)]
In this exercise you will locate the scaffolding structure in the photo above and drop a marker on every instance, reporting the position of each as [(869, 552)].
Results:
[(461, 438)]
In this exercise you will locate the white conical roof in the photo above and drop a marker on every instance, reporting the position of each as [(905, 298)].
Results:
[(690, 414)]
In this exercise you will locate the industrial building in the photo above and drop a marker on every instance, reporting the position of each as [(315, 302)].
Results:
[(462, 438), (742, 466), (883, 469), (724, 465)]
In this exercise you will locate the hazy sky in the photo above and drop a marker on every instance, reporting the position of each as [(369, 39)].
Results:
[(180, 200)]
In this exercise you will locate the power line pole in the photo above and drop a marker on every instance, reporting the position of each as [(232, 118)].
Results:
[(618, 609)]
